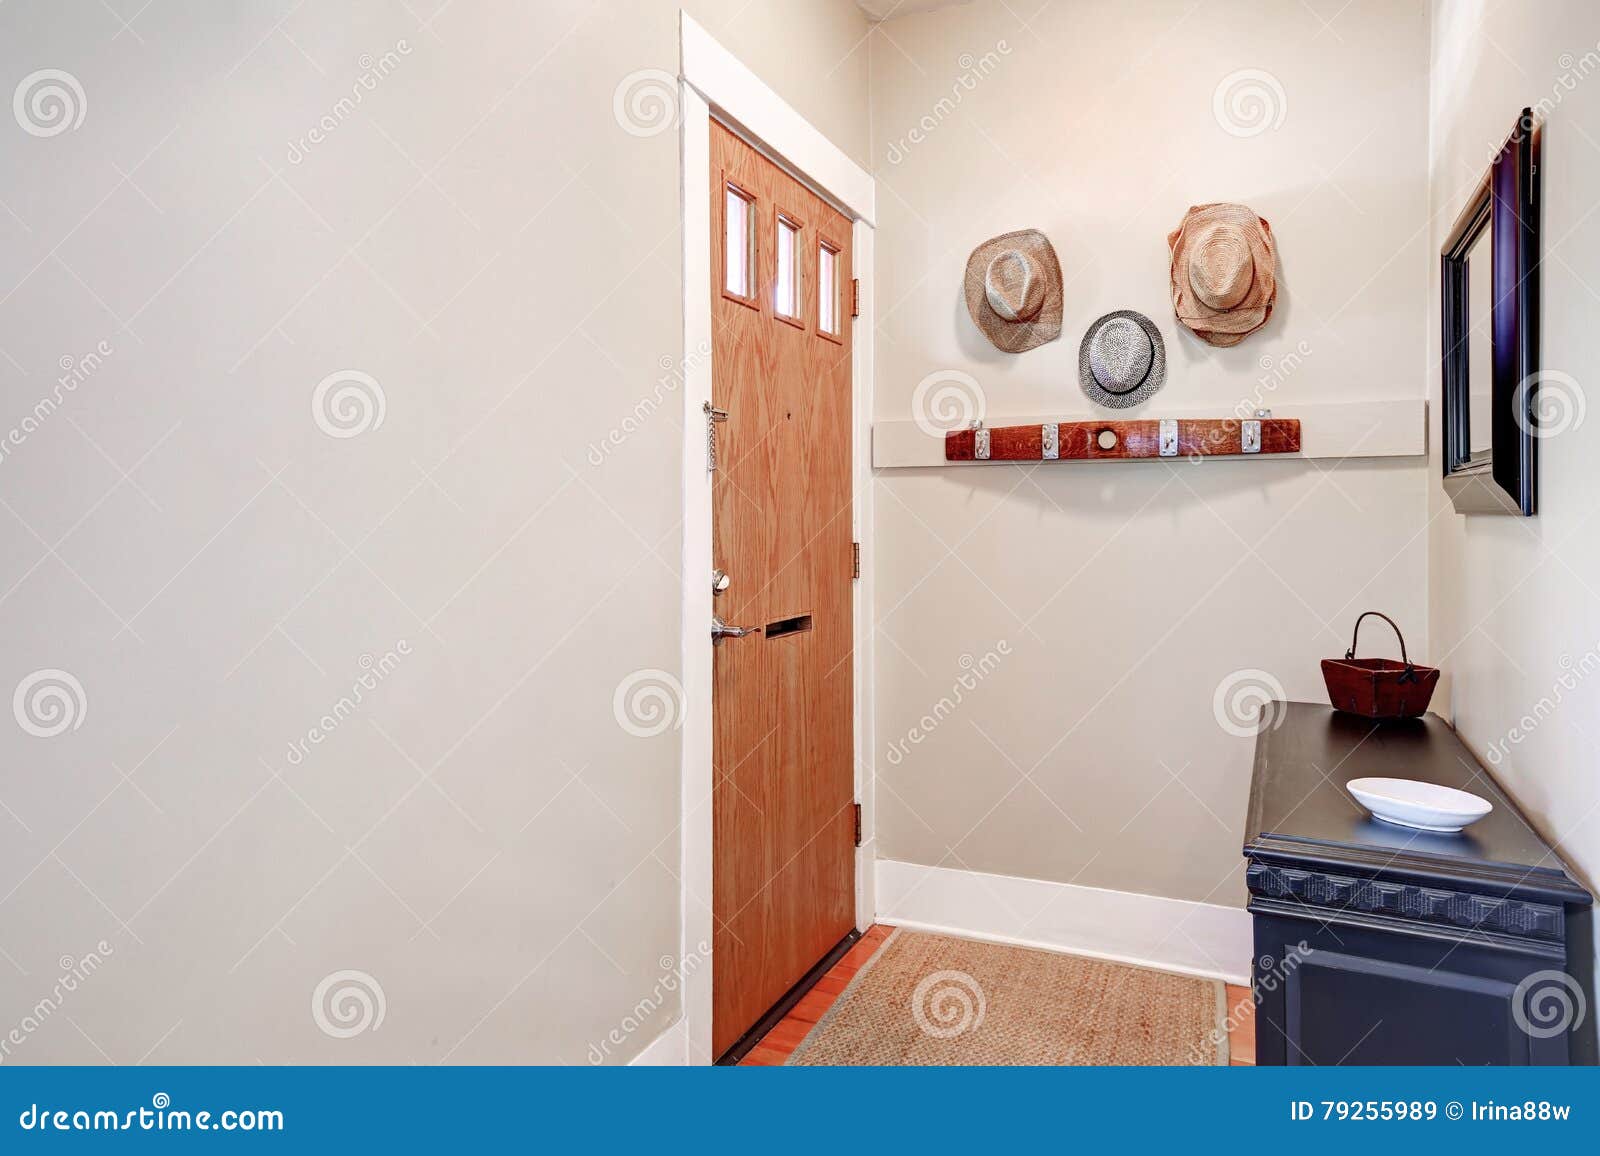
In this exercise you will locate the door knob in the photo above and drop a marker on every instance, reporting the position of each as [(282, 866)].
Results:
[(721, 630)]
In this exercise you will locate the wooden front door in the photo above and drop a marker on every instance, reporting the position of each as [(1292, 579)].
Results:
[(783, 801)]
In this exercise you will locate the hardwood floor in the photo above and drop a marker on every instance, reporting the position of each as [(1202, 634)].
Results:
[(776, 1046)]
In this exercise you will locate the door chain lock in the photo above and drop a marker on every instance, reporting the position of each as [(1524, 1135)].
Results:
[(713, 416)]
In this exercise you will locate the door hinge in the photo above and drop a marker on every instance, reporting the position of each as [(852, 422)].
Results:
[(858, 824), (855, 296), (855, 559)]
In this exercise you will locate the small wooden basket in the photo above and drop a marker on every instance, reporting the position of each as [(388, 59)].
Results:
[(1378, 688)]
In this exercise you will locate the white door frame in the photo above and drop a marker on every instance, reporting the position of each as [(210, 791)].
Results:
[(714, 83)]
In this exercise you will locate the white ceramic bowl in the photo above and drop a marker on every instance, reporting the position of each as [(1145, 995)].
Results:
[(1421, 806)]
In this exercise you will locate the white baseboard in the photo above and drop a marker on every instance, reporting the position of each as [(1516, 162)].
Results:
[(866, 884), (1202, 939), (668, 1050)]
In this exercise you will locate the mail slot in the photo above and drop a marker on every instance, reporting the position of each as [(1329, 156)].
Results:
[(793, 625)]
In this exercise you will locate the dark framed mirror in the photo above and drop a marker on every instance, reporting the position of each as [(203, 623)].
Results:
[(1490, 335)]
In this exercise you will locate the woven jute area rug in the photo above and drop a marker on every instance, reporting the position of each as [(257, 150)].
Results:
[(928, 999)]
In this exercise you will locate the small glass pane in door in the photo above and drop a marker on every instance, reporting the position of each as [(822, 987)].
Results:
[(738, 244), (786, 293), (828, 289)]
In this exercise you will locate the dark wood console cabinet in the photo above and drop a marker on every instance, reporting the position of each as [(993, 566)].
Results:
[(1378, 944)]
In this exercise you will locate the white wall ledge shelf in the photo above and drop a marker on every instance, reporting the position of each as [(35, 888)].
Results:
[(1352, 429)]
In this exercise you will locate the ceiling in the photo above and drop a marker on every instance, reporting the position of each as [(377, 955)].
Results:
[(885, 9)]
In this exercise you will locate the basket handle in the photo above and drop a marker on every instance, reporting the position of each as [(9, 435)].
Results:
[(1411, 671)]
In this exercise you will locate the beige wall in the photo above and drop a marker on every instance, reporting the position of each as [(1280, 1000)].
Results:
[(1514, 605), (478, 835), (1127, 594)]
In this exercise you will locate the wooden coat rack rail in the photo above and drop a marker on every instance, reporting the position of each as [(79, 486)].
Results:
[(1157, 438)]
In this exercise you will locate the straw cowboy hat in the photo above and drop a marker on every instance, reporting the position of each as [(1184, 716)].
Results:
[(1224, 279), (1122, 360), (1013, 290)]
